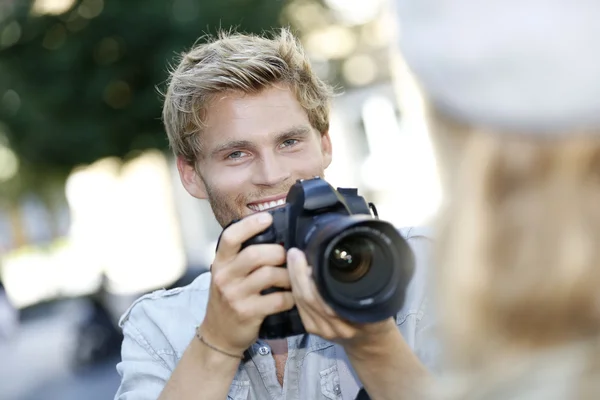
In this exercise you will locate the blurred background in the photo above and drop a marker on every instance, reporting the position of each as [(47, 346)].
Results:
[(92, 213)]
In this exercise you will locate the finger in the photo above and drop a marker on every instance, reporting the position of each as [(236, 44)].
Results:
[(307, 317), (263, 278), (225, 275), (329, 327), (303, 285), (317, 324), (232, 238), (322, 304), (272, 303), (255, 256), (298, 270)]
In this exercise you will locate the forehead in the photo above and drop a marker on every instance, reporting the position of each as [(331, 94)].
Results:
[(251, 117)]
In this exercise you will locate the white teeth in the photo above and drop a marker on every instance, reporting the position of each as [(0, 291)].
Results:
[(266, 205)]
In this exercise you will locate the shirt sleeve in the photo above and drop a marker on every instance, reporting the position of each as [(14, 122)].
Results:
[(144, 372), (417, 320)]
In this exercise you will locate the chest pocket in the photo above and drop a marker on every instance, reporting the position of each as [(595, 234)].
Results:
[(239, 390), (330, 383)]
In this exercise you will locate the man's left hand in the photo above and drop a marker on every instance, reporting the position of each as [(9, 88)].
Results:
[(318, 317)]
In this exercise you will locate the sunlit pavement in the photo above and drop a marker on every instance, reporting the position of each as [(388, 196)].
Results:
[(35, 364)]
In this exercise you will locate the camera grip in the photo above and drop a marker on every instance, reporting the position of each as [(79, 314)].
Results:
[(265, 237)]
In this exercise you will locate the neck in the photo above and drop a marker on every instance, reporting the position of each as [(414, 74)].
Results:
[(278, 346)]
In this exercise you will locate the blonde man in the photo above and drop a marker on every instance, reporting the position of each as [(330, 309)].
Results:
[(246, 117)]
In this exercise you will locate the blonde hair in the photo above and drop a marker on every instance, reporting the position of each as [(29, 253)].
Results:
[(243, 63), (519, 246)]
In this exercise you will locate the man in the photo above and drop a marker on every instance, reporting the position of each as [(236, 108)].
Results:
[(246, 117)]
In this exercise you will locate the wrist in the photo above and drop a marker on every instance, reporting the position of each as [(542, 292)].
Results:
[(219, 350), (214, 341), (212, 359), (376, 338)]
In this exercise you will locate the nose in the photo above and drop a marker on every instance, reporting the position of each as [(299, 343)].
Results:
[(271, 171)]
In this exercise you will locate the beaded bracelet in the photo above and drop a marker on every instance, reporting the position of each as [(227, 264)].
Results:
[(201, 338)]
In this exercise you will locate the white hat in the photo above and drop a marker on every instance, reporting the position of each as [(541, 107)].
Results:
[(525, 65)]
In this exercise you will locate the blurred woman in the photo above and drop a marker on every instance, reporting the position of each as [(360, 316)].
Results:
[(514, 93)]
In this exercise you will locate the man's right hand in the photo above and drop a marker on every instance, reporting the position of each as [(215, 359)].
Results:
[(236, 308)]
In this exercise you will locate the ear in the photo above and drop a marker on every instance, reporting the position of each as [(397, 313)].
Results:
[(190, 179), (326, 149)]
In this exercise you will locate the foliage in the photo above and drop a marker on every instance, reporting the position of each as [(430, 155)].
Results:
[(82, 85)]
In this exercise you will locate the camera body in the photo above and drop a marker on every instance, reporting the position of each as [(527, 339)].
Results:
[(361, 265)]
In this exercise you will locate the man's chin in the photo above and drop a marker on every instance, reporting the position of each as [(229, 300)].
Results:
[(226, 221)]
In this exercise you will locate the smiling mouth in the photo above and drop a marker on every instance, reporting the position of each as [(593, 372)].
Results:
[(267, 205)]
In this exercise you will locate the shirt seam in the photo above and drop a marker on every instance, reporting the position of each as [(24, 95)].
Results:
[(402, 319), (139, 338), (157, 295)]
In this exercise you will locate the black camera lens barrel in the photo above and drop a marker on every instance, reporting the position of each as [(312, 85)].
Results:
[(377, 290)]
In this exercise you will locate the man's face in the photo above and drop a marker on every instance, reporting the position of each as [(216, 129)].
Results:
[(255, 147)]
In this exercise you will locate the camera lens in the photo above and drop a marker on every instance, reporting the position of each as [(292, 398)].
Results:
[(351, 259), (358, 266), (361, 266)]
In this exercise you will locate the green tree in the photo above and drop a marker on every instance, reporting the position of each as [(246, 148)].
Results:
[(81, 85)]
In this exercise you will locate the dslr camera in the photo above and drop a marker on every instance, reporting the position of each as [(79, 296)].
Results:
[(361, 265)]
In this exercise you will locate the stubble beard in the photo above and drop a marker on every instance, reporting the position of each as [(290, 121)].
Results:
[(222, 209)]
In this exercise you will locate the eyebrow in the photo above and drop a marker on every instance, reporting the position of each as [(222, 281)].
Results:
[(299, 131)]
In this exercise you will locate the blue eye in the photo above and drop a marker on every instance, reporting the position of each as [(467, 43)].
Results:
[(289, 142), (237, 155)]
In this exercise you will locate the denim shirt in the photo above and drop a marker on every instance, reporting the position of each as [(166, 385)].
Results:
[(159, 326)]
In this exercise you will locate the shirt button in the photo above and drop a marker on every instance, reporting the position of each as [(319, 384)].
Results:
[(263, 350), (337, 389)]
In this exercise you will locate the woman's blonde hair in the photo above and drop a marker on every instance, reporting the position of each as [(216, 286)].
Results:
[(519, 242), (243, 63)]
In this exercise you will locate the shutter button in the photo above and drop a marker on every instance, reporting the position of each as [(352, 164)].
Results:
[(263, 350)]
